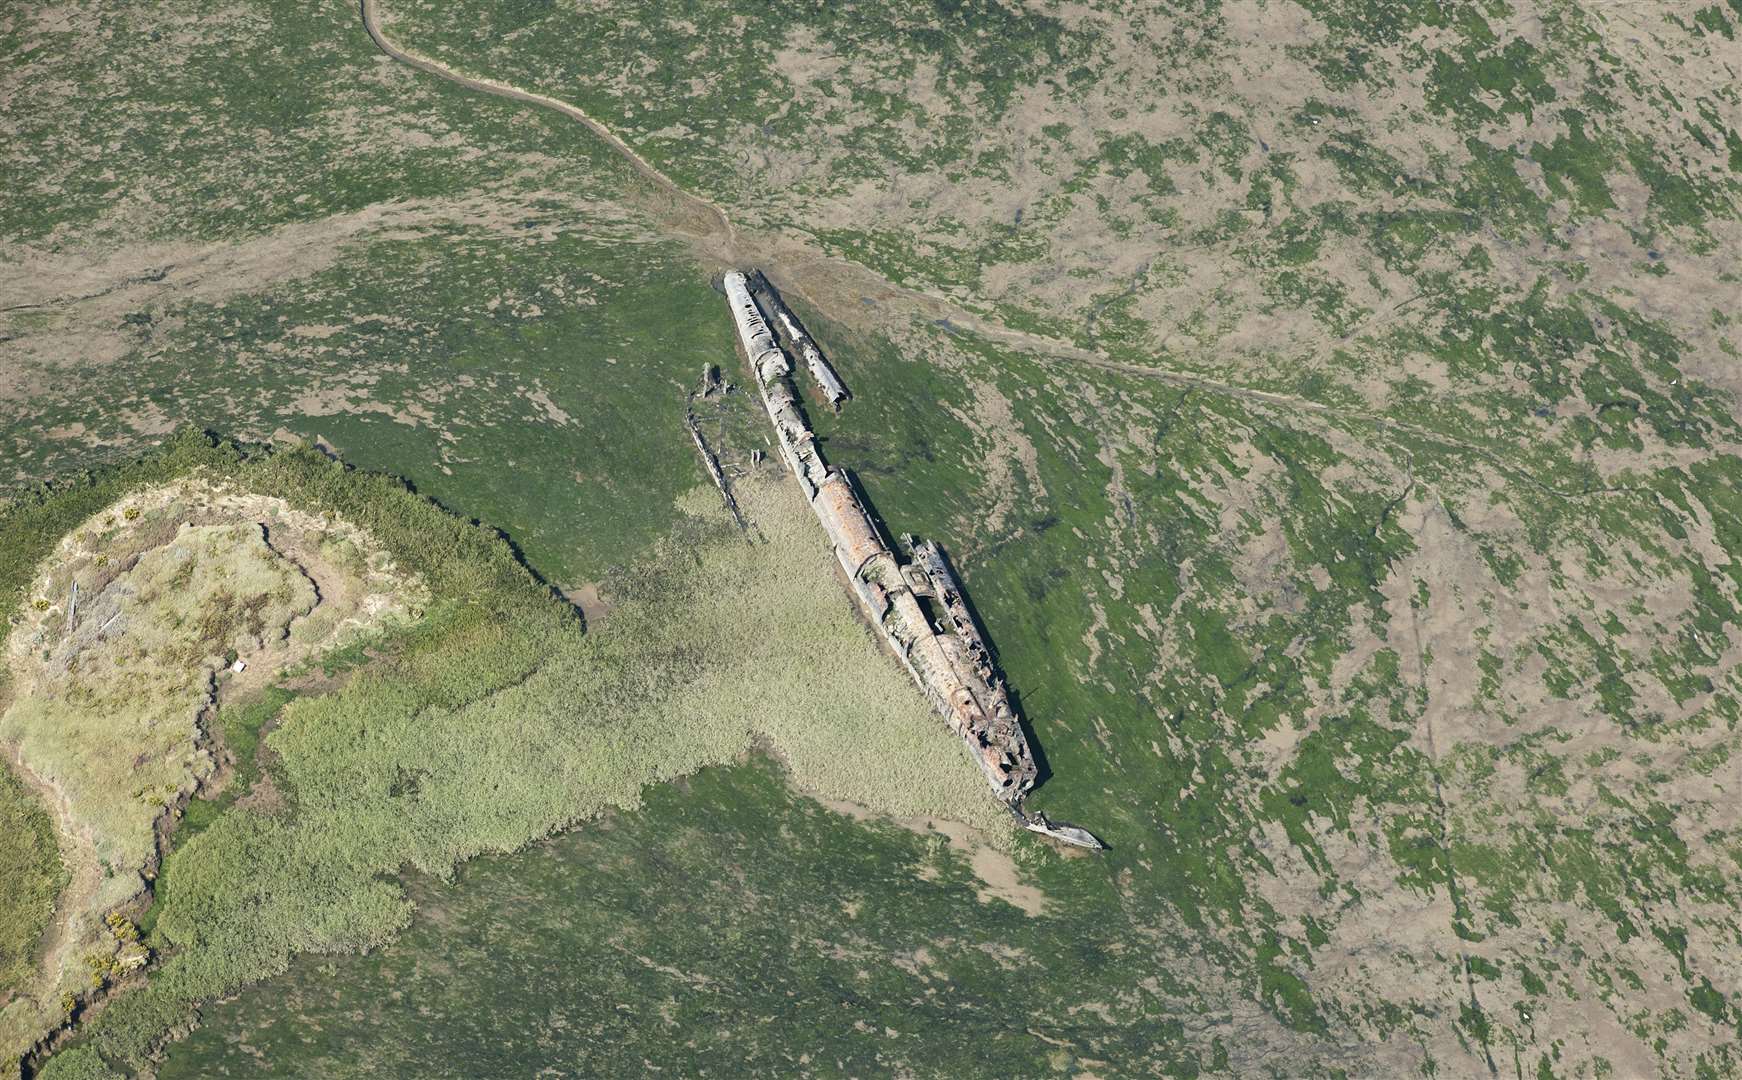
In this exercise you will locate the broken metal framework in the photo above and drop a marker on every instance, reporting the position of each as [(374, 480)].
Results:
[(711, 385), (917, 605), (712, 463), (832, 386)]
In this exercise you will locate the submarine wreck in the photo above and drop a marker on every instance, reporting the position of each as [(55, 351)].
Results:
[(916, 602)]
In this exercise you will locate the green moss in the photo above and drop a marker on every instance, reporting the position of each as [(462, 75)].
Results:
[(1462, 82), (1709, 1001), (240, 727)]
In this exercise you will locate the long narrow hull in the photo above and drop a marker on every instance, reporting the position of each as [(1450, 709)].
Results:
[(799, 340), (949, 663)]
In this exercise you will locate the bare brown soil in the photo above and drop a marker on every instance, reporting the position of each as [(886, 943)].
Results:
[(857, 297), (988, 855), (594, 607)]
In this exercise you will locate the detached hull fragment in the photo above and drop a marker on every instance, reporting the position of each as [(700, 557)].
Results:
[(830, 383), (916, 605), (1074, 835)]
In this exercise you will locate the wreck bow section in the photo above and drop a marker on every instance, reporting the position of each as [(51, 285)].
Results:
[(916, 605)]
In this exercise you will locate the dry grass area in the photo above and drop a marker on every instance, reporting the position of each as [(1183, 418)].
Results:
[(111, 690), (801, 674)]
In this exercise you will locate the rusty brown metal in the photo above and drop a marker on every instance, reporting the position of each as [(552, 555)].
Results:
[(947, 656), (847, 524)]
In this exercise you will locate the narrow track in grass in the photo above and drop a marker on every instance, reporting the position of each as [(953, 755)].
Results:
[(708, 224), (797, 268), (711, 222)]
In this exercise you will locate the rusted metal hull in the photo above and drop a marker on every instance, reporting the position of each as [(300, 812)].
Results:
[(917, 605), (952, 668), (800, 340)]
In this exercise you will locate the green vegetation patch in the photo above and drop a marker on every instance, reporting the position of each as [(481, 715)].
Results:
[(496, 720), (30, 865), (831, 948)]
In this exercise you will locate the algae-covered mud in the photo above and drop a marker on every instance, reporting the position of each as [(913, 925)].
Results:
[(1331, 407)]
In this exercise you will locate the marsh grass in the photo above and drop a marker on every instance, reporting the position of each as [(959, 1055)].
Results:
[(496, 721), (30, 866)]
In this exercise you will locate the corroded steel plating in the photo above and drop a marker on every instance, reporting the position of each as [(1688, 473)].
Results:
[(800, 340), (939, 663), (917, 606)]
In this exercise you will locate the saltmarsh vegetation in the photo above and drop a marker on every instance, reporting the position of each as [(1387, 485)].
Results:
[(118, 655), (31, 868), (498, 719), (1240, 629), (749, 918)]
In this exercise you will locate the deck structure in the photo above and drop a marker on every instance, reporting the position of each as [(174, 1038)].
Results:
[(916, 603), (799, 340)]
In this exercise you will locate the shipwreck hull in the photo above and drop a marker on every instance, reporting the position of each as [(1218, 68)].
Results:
[(916, 604), (799, 339), (953, 671)]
